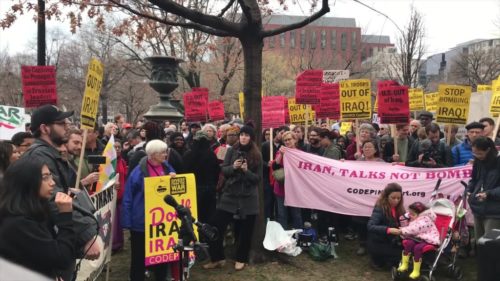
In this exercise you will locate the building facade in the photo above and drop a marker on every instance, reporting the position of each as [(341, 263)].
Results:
[(327, 43)]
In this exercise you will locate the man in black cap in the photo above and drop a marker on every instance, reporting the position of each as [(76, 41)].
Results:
[(462, 153), (425, 118), (49, 126)]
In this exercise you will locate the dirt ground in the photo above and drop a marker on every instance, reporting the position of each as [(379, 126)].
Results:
[(348, 267)]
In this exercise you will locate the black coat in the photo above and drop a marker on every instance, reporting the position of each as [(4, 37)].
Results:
[(377, 230), (33, 244), (486, 176)]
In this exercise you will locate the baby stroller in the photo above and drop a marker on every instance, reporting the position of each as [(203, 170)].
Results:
[(436, 256)]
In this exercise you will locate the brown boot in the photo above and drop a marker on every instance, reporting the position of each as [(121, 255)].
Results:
[(213, 265)]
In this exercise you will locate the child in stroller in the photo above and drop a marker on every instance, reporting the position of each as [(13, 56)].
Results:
[(420, 232)]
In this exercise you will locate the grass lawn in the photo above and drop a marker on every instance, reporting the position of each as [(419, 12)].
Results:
[(348, 267)]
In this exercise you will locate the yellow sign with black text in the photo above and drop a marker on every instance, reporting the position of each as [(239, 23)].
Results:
[(431, 101), (93, 85), (298, 112), (161, 225), (495, 98), (416, 99), (484, 88), (355, 99), (453, 104)]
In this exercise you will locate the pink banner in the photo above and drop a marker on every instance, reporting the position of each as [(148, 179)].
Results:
[(352, 187)]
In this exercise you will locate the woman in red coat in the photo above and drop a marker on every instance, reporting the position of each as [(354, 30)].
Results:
[(121, 169)]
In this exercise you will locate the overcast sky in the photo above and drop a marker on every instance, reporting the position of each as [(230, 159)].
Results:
[(448, 22)]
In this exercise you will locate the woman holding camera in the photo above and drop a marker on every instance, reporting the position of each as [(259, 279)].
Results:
[(484, 187), (383, 227), (27, 232), (242, 169)]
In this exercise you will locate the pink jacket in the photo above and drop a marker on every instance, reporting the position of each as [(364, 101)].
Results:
[(423, 228)]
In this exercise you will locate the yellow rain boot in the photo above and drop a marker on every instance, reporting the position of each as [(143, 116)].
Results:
[(416, 269), (405, 260)]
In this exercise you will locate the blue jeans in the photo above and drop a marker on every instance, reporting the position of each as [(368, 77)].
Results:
[(282, 214)]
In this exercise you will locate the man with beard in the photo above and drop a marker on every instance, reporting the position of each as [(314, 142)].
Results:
[(314, 145), (74, 146), (49, 126)]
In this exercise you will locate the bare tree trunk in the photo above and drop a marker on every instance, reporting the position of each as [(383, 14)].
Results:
[(252, 53)]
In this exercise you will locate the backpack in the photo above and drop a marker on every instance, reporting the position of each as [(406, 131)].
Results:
[(320, 251)]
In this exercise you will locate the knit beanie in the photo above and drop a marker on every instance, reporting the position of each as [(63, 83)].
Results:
[(248, 130)]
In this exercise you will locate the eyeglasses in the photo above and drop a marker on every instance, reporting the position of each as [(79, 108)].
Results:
[(288, 139), (62, 123), (311, 135), (47, 177)]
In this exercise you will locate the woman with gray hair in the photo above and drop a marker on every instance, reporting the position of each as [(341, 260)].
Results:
[(366, 133), (154, 164), (211, 131)]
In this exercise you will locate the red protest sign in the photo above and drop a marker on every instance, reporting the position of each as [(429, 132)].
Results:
[(386, 83), (39, 85), (393, 105), (308, 87), (273, 112), (329, 106), (195, 106), (216, 110)]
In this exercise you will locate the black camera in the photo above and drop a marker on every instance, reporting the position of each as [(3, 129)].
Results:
[(242, 155), (96, 159), (427, 155)]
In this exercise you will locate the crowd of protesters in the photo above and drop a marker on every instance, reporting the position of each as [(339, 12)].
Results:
[(229, 167)]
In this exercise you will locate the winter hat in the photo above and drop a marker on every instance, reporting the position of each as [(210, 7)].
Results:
[(248, 130), (474, 125)]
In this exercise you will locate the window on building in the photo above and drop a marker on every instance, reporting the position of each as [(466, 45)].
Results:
[(312, 43), (333, 40), (354, 45), (490, 43), (271, 42), (465, 50), (303, 39), (343, 41), (370, 52), (323, 39), (292, 39), (282, 40)]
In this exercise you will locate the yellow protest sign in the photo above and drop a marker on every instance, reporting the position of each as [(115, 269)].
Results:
[(297, 112), (453, 104), (161, 223), (355, 99), (431, 101), (345, 127), (241, 99), (484, 88), (90, 103), (416, 99), (495, 98)]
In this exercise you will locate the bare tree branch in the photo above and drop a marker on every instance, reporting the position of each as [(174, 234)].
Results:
[(324, 10)]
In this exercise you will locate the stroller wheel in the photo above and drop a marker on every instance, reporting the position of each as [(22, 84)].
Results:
[(457, 273), (426, 278), (396, 275)]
